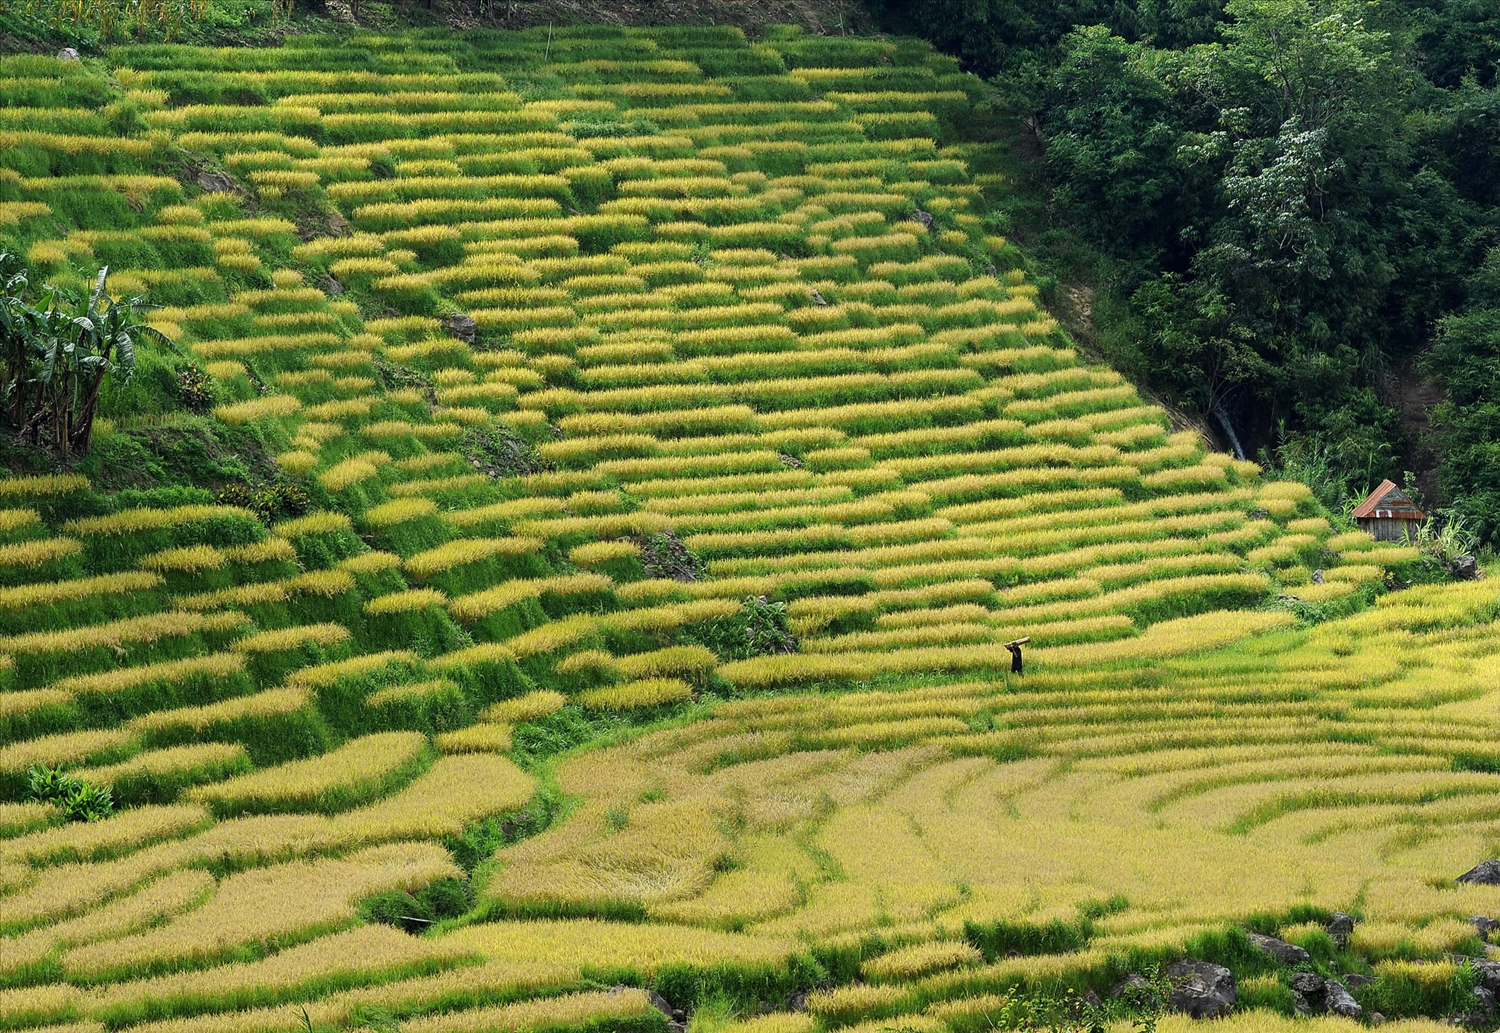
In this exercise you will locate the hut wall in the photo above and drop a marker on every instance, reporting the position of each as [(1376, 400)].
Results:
[(1389, 529)]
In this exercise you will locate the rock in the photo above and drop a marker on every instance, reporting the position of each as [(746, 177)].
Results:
[(1317, 577), (339, 226), (1487, 973), (1286, 953), (1377, 1019), (461, 326), (1354, 980), (1201, 989), (1300, 1005), (331, 287), (1132, 982), (1339, 1001), (1485, 873), (1340, 926), (1309, 984), (215, 183), (925, 218), (674, 1023), (989, 269), (68, 54), (818, 298), (1465, 567), (1486, 999), (1483, 925)]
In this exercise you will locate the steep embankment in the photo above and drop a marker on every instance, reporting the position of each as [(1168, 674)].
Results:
[(544, 369)]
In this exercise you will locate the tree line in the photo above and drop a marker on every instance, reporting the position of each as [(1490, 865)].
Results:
[(1287, 210)]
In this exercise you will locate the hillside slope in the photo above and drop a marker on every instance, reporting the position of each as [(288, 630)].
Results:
[(565, 384)]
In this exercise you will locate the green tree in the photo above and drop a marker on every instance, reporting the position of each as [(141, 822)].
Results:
[(1465, 357)]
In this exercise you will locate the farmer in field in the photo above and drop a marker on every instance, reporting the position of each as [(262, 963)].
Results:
[(1015, 654)]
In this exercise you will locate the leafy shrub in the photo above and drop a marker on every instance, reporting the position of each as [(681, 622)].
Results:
[(277, 500), (759, 628), (665, 556), (79, 799), (444, 898), (58, 349), (500, 452), (196, 389)]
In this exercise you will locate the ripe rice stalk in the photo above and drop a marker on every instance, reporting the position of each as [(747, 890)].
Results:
[(124, 831), (291, 901), (355, 771)]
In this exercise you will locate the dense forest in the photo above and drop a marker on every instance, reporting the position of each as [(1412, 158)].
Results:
[(1286, 210)]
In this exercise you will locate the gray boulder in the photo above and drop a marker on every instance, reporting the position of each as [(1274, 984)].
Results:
[(68, 54), (1465, 567), (1483, 925), (1339, 1001), (675, 1018), (461, 326), (1286, 953), (1201, 989), (1309, 984), (1487, 973), (1340, 926), (1485, 873), (1353, 980)]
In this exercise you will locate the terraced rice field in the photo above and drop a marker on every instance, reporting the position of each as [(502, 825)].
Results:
[(739, 314)]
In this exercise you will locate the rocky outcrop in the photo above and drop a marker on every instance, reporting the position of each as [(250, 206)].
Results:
[(1340, 926), (461, 326), (1286, 953), (1485, 873), (1201, 989), (1338, 1000)]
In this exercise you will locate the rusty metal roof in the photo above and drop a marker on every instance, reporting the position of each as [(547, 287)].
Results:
[(1388, 502)]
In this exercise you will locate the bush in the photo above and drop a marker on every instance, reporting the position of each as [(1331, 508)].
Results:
[(414, 912), (79, 800), (760, 628), (196, 389)]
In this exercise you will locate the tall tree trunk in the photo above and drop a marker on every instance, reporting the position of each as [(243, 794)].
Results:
[(85, 430)]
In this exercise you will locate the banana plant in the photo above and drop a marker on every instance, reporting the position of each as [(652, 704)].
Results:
[(78, 342)]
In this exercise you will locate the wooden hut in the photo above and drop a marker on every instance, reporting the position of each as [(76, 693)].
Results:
[(1388, 514)]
